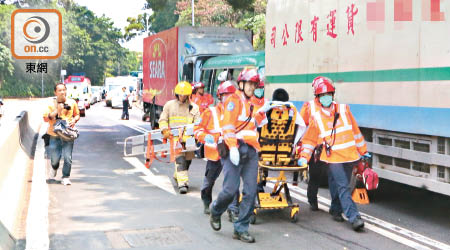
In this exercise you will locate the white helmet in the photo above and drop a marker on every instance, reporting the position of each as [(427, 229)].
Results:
[(222, 76)]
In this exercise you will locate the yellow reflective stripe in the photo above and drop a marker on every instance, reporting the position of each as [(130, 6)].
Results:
[(163, 124), (215, 118), (338, 130), (228, 127), (343, 114), (361, 144), (307, 150), (358, 136), (243, 133), (179, 119), (343, 145), (229, 135)]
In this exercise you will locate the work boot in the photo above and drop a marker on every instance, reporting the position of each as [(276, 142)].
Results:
[(358, 224), (338, 217), (232, 216), (314, 206), (183, 189), (206, 209), (245, 237), (215, 222)]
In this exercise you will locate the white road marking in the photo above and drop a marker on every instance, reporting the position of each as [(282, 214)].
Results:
[(375, 224), (161, 181)]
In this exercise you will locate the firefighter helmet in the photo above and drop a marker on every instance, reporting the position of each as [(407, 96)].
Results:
[(183, 88), (198, 85), (323, 85), (227, 87)]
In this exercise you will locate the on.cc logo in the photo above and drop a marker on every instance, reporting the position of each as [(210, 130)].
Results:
[(36, 29)]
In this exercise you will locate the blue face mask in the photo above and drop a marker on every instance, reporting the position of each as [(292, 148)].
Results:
[(259, 93), (326, 100)]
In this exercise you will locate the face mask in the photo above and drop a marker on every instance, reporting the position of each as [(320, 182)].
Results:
[(259, 93), (326, 100)]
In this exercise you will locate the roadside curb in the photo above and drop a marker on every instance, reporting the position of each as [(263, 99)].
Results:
[(37, 219)]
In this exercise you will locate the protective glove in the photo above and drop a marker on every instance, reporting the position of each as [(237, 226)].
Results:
[(302, 162), (367, 155), (234, 155), (209, 139), (166, 133), (266, 107)]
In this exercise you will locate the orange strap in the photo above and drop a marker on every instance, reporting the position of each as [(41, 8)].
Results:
[(150, 152)]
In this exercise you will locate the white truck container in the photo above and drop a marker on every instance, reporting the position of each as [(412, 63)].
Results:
[(390, 62)]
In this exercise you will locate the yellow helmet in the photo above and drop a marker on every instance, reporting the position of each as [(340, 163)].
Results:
[(183, 88)]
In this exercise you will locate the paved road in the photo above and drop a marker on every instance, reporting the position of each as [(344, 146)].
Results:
[(116, 203)]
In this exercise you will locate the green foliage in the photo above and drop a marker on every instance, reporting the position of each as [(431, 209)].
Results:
[(162, 18), (244, 5), (91, 45)]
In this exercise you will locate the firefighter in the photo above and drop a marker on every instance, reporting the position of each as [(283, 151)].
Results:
[(340, 145), (316, 166), (208, 132), (179, 112), (202, 99), (239, 156)]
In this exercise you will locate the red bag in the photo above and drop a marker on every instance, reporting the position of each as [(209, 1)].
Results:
[(370, 179)]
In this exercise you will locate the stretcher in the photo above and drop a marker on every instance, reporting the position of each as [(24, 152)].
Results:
[(154, 146), (278, 153)]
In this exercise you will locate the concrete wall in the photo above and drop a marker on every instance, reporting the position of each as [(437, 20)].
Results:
[(17, 145)]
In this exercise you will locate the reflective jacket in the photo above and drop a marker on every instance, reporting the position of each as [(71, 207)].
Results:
[(203, 101), (258, 102), (305, 112), (176, 113), (348, 144), (209, 123), (237, 109)]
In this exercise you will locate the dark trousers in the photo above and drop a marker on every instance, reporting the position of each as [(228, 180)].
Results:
[(248, 171), (125, 114), (316, 170), (212, 172), (341, 198)]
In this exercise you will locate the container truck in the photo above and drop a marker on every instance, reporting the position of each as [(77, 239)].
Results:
[(390, 61), (178, 54)]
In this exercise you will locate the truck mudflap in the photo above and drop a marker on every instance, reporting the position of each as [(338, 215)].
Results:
[(155, 147)]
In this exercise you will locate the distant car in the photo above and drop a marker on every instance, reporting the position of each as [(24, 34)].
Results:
[(96, 94)]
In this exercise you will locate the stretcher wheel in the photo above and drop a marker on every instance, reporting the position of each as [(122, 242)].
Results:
[(253, 218), (294, 218)]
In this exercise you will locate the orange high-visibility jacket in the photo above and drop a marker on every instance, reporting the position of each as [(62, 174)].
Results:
[(209, 124), (258, 102), (349, 143), (203, 101), (236, 111), (308, 108)]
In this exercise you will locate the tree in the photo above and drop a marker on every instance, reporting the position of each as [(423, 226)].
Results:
[(6, 63), (162, 18), (222, 13)]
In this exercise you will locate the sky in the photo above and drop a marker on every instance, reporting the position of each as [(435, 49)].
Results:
[(119, 11)]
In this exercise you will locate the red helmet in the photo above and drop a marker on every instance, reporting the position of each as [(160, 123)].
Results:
[(322, 85), (198, 85), (260, 85), (227, 87), (249, 75)]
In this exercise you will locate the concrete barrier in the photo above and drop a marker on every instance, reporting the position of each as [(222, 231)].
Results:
[(17, 145)]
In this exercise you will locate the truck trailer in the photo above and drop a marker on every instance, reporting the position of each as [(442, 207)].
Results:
[(177, 55), (390, 62)]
